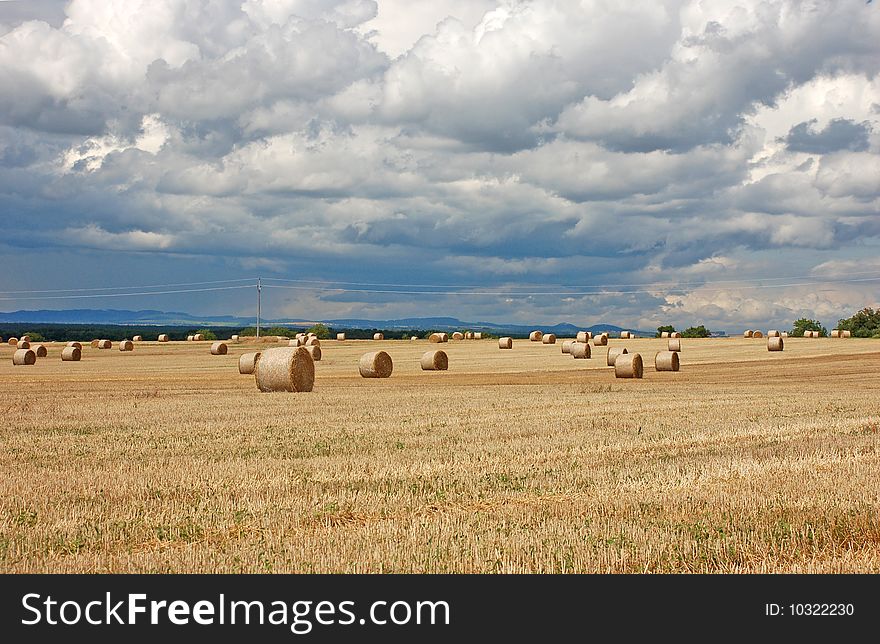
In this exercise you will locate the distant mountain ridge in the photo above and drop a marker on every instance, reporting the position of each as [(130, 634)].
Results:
[(159, 318)]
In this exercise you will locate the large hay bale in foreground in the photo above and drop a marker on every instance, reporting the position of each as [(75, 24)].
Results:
[(126, 345), (666, 361), (613, 352), (377, 364), (24, 357), (757, 334), (75, 344), (340, 337), (378, 336), (600, 340), (40, 350), (137, 338), (775, 344), (105, 344), (505, 343), (71, 354), (458, 336), (285, 369), (314, 351), (434, 361), (772, 333), (23, 344), (219, 349), (548, 339), (535, 336), (163, 337), (247, 362), (628, 366), (673, 344), (580, 350), (313, 342), (566, 346)]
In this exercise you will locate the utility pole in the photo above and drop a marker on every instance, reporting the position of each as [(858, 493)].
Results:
[(259, 303)]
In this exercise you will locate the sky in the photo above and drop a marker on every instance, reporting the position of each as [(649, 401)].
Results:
[(641, 163)]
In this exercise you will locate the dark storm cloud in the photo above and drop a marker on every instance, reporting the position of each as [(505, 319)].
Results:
[(839, 134)]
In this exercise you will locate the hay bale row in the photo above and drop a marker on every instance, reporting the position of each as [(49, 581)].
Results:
[(24, 357), (536, 336), (219, 349), (434, 361), (247, 362), (580, 350), (505, 343), (666, 361), (377, 364), (628, 365), (613, 352), (775, 343), (71, 354), (548, 339), (284, 369)]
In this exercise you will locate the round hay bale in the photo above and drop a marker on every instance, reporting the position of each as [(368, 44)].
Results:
[(198, 337), (71, 354), (846, 334), (94, 344), (613, 352), (580, 350), (808, 334), (628, 366), (105, 344), (414, 337), (25, 338), (747, 333), (13, 342), (600, 340), (75, 344), (40, 350), (377, 364), (295, 342), (673, 344), (163, 337), (664, 334), (233, 338), (23, 344), (835, 333), (505, 343), (219, 349), (458, 336), (434, 361), (314, 351), (435, 338), (535, 336), (444, 337), (583, 336), (478, 335), (285, 369), (125, 345), (775, 343), (189, 338), (137, 338), (566, 346), (666, 361), (624, 335), (784, 334), (313, 342), (247, 362), (378, 336), (675, 334), (340, 337), (772, 333), (757, 334), (24, 357), (549, 339)]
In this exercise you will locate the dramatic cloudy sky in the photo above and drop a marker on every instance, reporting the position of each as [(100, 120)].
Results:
[(633, 163)]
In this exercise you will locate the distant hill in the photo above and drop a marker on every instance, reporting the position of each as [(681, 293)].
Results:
[(176, 318)]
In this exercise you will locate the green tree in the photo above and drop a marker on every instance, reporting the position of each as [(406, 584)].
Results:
[(667, 327), (864, 324), (696, 332), (207, 334), (803, 324), (35, 337), (320, 330)]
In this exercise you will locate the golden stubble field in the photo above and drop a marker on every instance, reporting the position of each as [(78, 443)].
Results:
[(167, 460)]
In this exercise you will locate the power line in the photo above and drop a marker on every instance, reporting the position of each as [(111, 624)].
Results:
[(92, 295), (116, 288)]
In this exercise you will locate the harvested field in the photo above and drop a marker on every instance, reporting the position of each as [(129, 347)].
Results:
[(490, 467)]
